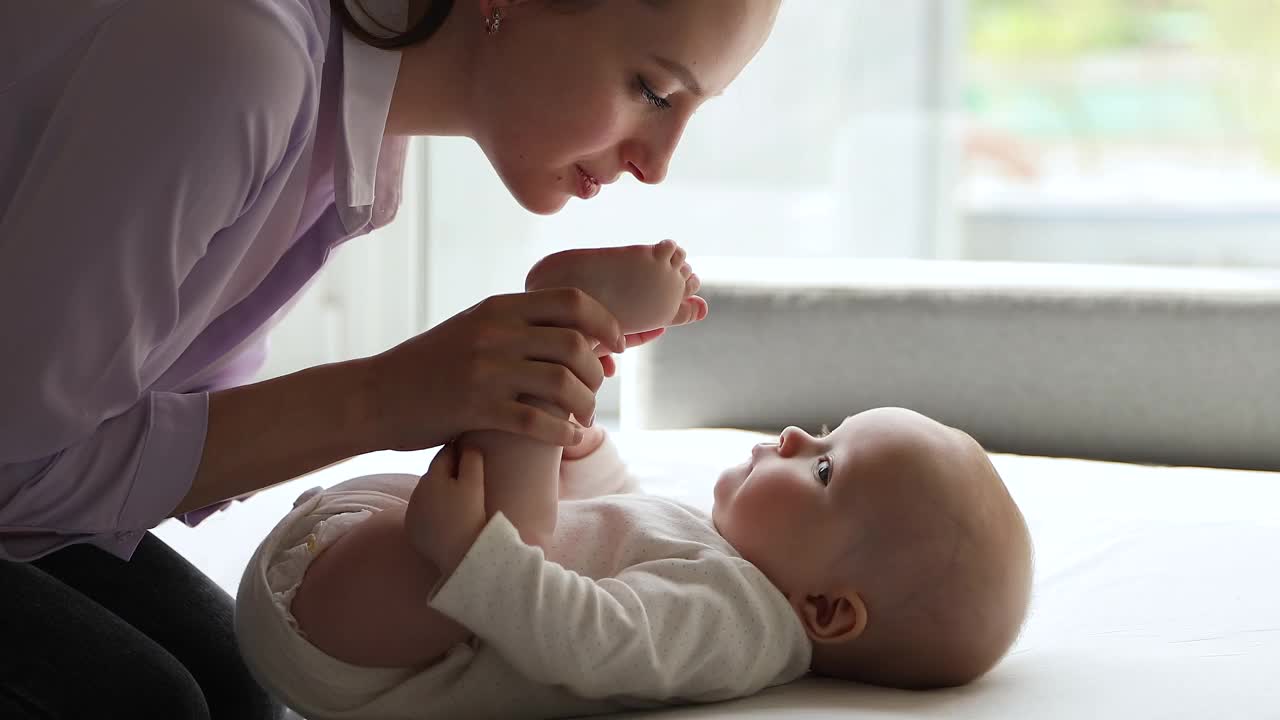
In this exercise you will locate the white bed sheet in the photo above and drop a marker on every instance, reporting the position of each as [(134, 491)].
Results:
[(1156, 595)]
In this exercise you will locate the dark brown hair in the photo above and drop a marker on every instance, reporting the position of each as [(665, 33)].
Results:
[(436, 13)]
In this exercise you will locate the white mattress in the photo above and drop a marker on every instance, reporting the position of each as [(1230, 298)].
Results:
[(1157, 592)]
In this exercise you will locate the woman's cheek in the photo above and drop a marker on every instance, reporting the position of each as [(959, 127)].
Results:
[(595, 128)]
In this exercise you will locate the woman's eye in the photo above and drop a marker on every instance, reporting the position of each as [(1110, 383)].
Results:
[(824, 471), (650, 96)]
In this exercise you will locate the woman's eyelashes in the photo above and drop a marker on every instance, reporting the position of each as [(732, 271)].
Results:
[(823, 470), (650, 96)]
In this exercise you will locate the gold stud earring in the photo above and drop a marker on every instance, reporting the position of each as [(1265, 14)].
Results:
[(493, 22)]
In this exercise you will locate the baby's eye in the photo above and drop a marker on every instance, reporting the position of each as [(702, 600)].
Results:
[(824, 471)]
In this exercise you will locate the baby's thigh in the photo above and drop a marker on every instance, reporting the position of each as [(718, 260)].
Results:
[(364, 599)]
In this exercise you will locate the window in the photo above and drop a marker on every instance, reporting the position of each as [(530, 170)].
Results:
[(1122, 131), (1131, 131)]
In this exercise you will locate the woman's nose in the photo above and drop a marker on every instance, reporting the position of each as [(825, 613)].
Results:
[(649, 159), (636, 171), (646, 170), (653, 172)]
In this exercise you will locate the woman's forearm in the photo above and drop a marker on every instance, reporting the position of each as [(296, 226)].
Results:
[(269, 432)]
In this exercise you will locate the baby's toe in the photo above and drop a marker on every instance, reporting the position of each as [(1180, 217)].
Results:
[(692, 284), (691, 309), (678, 258), (665, 249)]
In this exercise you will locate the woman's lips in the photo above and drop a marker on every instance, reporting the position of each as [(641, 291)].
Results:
[(588, 186)]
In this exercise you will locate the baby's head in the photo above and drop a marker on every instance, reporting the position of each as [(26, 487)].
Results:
[(894, 539)]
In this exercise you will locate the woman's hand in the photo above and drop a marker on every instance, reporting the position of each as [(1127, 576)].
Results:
[(474, 371), (446, 509)]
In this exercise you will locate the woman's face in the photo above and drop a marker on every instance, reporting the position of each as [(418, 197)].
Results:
[(565, 102)]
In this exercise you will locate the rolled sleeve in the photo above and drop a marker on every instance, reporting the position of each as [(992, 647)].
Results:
[(109, 489), (171, 454)]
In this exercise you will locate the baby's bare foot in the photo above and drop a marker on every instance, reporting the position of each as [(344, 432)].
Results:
[(644, 286)]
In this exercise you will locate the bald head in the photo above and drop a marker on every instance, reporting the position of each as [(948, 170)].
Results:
[(942, 560)]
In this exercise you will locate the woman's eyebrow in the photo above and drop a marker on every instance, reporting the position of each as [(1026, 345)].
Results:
[(682, 74)]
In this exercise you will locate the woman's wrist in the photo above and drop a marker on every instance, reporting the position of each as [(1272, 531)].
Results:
[(266, 433)]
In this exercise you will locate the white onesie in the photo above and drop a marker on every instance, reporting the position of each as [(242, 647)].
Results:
[(638, 602)]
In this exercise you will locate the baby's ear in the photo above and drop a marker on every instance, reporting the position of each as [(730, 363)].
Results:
[(832, 618)]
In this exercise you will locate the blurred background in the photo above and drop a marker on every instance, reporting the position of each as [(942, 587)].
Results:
[(1133, 132)]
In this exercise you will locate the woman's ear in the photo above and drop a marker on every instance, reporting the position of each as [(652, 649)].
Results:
[(833, 618)]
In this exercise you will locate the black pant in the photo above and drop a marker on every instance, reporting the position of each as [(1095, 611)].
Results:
[(84, 634)]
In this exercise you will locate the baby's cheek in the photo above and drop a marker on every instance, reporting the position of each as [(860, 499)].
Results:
[(760, 510)]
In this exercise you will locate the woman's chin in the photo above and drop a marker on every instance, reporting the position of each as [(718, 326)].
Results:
[(542, 201)]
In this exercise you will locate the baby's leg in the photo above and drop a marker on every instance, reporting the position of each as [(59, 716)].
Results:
[(363, 600), (520, 478), (645, 287)]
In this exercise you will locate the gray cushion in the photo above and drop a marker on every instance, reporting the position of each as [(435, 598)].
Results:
[(1135, 364)]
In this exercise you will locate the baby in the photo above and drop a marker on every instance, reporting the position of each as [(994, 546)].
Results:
[(515, 579)]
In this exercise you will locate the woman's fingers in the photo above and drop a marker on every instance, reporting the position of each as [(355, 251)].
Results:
[(523, 419), (572, 308), (553, 384), (568, 348)]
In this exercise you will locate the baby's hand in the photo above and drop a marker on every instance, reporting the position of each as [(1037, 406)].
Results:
[(446, 510)]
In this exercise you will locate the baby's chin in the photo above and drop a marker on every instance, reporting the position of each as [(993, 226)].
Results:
[(729, 481)]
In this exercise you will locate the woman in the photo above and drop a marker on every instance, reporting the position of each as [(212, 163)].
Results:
[(172, 173)]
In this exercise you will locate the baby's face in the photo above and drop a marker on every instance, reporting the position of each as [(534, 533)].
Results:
[(796, 506)]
